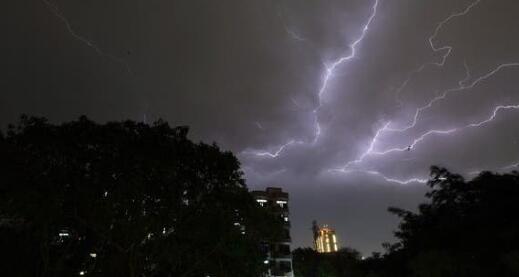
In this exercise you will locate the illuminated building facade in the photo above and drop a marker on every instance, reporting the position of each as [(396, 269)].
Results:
[(279, 252), (325, 240)]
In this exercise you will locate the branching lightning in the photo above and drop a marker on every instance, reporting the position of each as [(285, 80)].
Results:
[(512, 166), (447, 49), (464, 85), (348, 167), (422, 137), (53, 7), (276, 153), (398, 181), (388, 179), (329, 70), (460, 88), (370, 148), (449, 131), (327, 76)]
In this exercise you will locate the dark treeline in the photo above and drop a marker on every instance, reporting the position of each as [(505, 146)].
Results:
[(130, 199), (466, 229), (124, 199)]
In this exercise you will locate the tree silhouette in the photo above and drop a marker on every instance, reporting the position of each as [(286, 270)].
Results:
[(310, 263), (124, 199), (469, 228)]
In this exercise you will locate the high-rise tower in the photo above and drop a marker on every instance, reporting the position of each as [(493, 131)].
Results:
[(280, 256), (325, 240)]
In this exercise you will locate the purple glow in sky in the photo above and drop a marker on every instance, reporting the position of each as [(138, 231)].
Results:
[(343, 103)]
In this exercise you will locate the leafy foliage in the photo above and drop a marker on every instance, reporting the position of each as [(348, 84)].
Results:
[(124, 199), (309, 263), (467, 229)]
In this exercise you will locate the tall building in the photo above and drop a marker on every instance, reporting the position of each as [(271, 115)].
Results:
[(325, 240), (279, 252)]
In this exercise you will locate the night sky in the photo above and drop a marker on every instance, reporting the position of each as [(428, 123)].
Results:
[(343, 103)]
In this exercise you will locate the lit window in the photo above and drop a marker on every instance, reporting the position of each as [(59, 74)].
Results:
[(261, 202), (281, 203)]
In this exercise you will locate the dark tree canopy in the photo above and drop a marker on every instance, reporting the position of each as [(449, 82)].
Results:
[(124, 199), (309, 263), (469, 228)]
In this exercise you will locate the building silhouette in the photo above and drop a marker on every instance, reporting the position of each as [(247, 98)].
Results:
[(325, 240), (279, 252)]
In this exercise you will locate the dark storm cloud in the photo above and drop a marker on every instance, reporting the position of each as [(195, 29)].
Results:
[(247, 73)]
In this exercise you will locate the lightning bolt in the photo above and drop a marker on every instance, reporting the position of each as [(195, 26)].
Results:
[(347, 168), (460, 88), (399, 181), (329, 70), (370, 148), (276, 153), (53, 7), (422, 137), (512, 166), (419, 110), (446, 49), (379, 174), (327, 76)]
